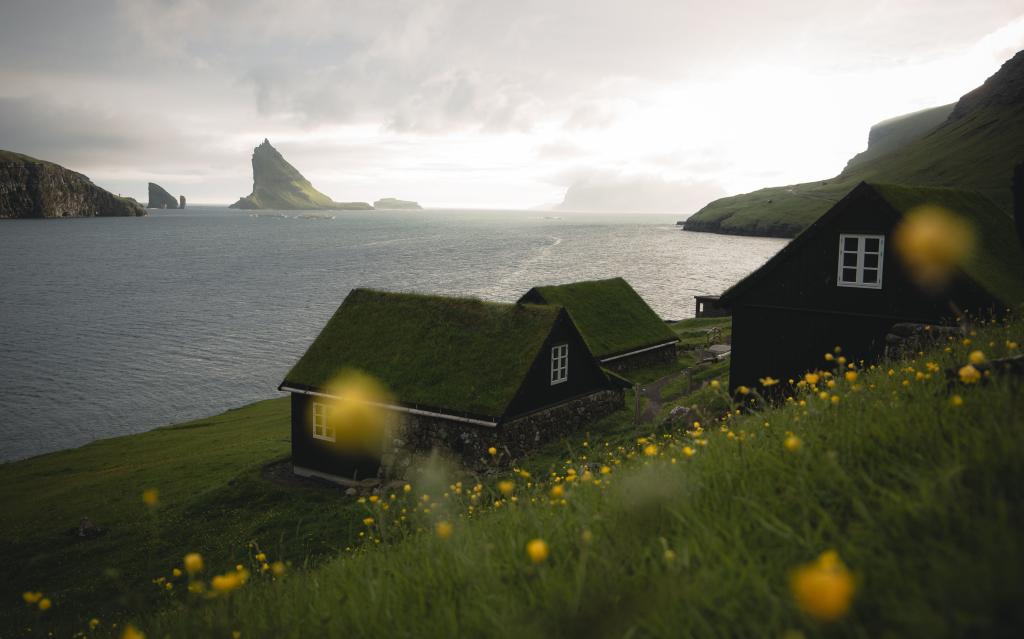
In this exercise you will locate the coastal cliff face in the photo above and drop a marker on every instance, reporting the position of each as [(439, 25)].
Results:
[(31, 188), (973, 145), (159, 198), (276, 184)]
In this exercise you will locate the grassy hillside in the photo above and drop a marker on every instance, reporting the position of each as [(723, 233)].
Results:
[(975, 147)]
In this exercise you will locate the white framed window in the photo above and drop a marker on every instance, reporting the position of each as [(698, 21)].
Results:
[(321, 430), (559, 364), (860, 260)]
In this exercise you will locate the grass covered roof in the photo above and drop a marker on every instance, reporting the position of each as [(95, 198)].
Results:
[(611, 316), (454, 355)]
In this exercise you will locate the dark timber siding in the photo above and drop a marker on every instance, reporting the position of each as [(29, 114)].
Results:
[(585, 374), (794, 312), (319, 455)]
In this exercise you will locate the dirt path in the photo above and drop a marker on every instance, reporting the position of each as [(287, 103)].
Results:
[(652, 393)]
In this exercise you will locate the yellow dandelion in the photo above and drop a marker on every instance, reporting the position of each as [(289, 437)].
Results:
[(226, 583), (193, 563), (45, 603), (811, 378), (835, 399), (151, 497), (31, 597), (261, 557), (792, 443), (688, 451), (969, 375), (367, 521), (176, 572), (131, 632), (824, 588), (650, 450), (557, 491), (606, 470), (277, 568), (768, 381), (932, 242), (851, 376), (715, 384), (829, 357), (537, 550), (976, 357), (742, 390), (492, 451), (444, 529), (507, 487)]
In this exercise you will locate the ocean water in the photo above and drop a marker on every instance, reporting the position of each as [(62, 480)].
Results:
[(118, 325)]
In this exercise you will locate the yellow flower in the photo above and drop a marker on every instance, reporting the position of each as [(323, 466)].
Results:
[(956, 400), (193, 563), (444, 529), (367, 521), (176, 572), (835, 399), (976, 357), (261, 557), (507, 487), (45, 603), (537, 551), (768, 381), (650, 450), (236, 634), (969, 374), (277, 568), (932, 242), (226, 583), (31, 597), (824, 588), (792, 443), (407, 488), (829, 357), (811, 378), (374, 499), (823, 395), (492, 451), (606, 470), (851, 376), (1011, 345), (742, 390), (131, 632), (94, 623), (151, 497), (715, 384), (669, 556), (557, 491), (688, 451)]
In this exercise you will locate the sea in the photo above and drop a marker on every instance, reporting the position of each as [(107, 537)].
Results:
[(113, 326)]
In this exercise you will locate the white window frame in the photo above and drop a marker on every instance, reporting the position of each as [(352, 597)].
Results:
[(859, 267), (321, 429), (559, 363)]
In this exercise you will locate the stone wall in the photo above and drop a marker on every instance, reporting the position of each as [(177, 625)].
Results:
[(469, 442), (663, 355)]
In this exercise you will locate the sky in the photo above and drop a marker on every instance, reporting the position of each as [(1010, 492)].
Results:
[(652, 105)]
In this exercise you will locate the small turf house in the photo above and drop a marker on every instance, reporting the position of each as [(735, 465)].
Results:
[(462, 375), (622, 331), (840, 283)]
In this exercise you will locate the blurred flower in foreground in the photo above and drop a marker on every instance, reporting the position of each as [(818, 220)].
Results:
[(969, 375), (131, 632), (823, 588), (444, 529), (932, 241), (358, 416), (193, 563), (151, 497), (537, 550)]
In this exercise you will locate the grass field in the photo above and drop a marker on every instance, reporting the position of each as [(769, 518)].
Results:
[(647, 533)]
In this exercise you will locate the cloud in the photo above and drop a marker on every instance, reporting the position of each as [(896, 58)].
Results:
[(639, 193)]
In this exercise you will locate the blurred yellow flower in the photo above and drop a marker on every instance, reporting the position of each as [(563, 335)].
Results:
[(94, 623), (650, 450), (31, 597), (851, 376), (669, 555), (444, 529), (811, 378), (537, 550), (969, 375), (151, 497), (45, 603), (586, 536), (277, 568), (507, 487), (956, 400), (606, 470), (226, 583), (557, 491), (976, 357), (367, 521), (715, 384), (407, 488), (829, 357), (835, 399), (823, 588), (261, 557), (768, 381), (131, 632), (193, 563), (742, 390), (792, 443), (176, 572), (492, 451), (932, 242)]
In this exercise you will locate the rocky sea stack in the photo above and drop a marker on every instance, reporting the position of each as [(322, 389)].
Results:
[(276, 184), (31, 188), (394, 203), (160, 198)]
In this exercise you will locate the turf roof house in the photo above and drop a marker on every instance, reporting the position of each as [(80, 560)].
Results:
[(465, 375), (620, 328), (839, 283)]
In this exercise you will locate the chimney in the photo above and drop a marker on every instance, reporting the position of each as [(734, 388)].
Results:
[(1018, 200)]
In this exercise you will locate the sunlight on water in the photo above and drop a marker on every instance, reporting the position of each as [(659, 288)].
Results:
[(114, 326)]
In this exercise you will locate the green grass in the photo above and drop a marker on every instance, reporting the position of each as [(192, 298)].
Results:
[(921, 499), (976, 149), (610, 315)]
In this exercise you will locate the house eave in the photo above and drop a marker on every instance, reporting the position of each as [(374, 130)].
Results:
[(638, 351)]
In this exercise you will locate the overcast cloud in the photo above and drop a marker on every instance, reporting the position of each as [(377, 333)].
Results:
[(477, 103)]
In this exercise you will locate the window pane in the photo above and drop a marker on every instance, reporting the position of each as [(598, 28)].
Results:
[(849, 275), (871, 244), (871, 260), (850, 244), (849, 259), (870, 276)]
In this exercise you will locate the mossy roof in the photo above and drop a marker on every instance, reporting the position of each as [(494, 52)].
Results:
[(996, 263), (611, 316), (452, 355)]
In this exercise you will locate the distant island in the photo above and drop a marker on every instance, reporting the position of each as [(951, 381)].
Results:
[(276, 184), (159, 198), (973, 144), (31, 188), (395, 203)]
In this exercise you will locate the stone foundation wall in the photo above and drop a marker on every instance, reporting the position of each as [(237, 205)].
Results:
[(469, 443), (663, 355)]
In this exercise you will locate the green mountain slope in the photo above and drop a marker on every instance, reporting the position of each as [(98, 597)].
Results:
[(276, 184), (975, 147)]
